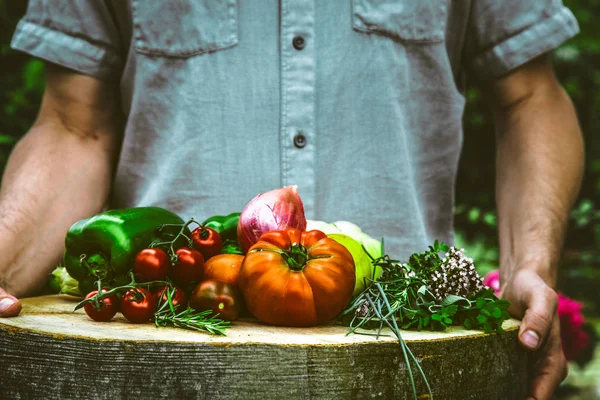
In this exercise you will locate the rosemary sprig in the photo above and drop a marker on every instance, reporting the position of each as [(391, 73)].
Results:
[(167, 315)]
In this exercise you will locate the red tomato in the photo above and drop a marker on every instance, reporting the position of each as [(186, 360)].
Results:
[(151, 265), (140, 310), (107, 310), (179, 298), (188, 267), (224, 268), (207, 241), (221, 298), (297, 278)]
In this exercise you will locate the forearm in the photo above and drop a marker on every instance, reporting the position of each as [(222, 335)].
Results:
[(53, 178), (539, 169)]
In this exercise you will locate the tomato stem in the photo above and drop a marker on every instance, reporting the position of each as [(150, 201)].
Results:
[(95, 300), (204, 233), (296, 257), (181, 233)]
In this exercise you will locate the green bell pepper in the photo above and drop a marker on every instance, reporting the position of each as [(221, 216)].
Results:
[(231, 247), (225, 225), (104, 246)]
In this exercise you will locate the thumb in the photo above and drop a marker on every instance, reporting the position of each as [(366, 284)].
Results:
[(540, 308), (10, 306)]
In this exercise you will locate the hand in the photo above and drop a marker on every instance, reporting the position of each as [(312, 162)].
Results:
[(535, 302), (10, 306)]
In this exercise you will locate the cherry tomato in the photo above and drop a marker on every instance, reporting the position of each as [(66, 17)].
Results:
[(188, 267), (207, 241), (224, 268), (151, 265), (138, 308), (179, 298), (107, 310), (221, 298)]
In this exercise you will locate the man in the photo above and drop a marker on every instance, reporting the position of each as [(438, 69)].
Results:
[(197, 106)]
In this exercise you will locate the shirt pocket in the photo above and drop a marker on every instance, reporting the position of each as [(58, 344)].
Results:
[(184, 28), (405, 20)]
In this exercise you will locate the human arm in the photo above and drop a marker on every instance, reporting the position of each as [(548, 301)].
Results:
[(58, 173), (539, 169)]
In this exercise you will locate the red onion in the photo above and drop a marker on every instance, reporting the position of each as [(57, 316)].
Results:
[(270, 211)]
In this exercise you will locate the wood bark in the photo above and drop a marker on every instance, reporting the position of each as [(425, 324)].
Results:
[(49, 352)]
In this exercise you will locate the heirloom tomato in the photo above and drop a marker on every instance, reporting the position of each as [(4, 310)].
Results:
[(224, 268), (297, 278), (108, 307)]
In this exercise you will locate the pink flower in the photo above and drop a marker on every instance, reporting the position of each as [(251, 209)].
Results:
[(574, 339), (492, 280)]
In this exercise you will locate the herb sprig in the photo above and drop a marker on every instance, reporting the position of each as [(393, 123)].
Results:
[(168, 315), (427, 292)]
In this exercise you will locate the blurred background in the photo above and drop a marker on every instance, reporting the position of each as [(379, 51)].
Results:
[(577, 65)]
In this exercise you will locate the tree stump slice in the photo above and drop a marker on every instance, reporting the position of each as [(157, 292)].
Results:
[(50, 352)]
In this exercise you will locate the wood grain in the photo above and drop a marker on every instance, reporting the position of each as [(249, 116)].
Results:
[(50, 352)]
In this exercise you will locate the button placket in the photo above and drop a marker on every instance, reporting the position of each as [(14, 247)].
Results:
[(298, 69)]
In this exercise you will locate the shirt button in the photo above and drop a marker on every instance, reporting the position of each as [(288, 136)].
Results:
[(299, 140), (298, 42)]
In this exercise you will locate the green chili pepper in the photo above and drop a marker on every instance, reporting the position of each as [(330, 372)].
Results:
[(61, 282), (225, 225), (105, 245)]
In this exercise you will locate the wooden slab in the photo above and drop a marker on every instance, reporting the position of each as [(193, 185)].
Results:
[(51, 352)]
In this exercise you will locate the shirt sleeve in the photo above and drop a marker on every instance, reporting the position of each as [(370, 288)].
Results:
[(503, 35), (76, 34)]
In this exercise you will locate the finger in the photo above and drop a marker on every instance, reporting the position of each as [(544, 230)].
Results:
[(551, 369), (10, 306), (536, 324)]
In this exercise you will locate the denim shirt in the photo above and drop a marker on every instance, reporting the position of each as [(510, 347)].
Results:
[(358, 102)]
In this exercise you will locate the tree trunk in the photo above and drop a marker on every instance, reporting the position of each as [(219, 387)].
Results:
[(50, 352)]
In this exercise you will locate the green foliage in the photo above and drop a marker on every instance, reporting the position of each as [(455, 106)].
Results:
[(429, 260), (487, 315)]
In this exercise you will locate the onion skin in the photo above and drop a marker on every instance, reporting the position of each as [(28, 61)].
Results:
[(274, 210)]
